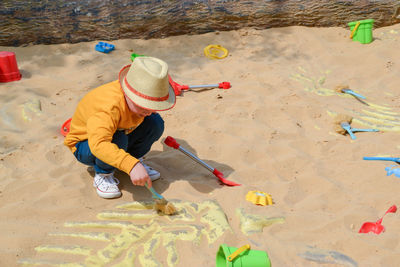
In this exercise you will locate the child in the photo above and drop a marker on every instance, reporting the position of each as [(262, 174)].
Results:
[(115, 125)]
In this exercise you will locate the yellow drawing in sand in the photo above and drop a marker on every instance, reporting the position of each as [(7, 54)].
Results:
[(314, 84), (371, 115), (252, 223), (30, 108), (133, 232)]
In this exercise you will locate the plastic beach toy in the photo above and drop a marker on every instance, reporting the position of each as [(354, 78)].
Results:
[(241, 257), (134, 55), (259, 198), (350, 130), (383, 158), (65, 127), (350, 92), (8, 67), (178, 88), (346, 90), (393, 169), (104, 47), (215, 51), (361, 31), (171, 142), (376, 227)]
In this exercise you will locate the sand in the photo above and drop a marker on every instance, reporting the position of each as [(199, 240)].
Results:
[(272, 131)]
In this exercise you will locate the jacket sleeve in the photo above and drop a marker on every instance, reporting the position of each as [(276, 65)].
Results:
[(101, 127)]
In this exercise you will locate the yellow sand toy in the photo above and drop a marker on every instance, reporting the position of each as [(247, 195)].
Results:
[(215, 51), (259, 198)]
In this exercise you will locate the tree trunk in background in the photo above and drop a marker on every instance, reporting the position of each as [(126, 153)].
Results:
[(58, 21)]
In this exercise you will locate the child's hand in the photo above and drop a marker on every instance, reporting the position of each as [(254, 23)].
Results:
[(139, 175)]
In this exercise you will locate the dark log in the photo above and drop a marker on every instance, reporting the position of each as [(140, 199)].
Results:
[(57, 21)]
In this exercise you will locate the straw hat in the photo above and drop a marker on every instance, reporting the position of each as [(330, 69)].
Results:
[(145, 82)]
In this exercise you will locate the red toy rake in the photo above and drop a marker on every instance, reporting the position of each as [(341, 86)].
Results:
[(178, 88), (171, 142)]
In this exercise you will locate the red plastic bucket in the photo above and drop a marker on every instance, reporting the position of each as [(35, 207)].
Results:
[(8, 67)]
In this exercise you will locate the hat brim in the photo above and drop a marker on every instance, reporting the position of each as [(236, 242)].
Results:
[(143, 102)]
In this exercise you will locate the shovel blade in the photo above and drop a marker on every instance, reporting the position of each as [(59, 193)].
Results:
[(372, 227), (222, 179), (228, 182)]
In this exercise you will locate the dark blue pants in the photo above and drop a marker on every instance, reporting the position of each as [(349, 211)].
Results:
[(137, 143)]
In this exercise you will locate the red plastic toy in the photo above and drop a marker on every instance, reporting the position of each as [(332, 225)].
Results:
[(376, 227), (171, 142), (8, 67), (65, 127), (178, 88)]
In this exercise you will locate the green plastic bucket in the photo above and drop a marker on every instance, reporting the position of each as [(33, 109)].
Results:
[(363, 32), (245, 257)]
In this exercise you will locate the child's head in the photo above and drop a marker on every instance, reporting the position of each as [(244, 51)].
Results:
[(145, 84)]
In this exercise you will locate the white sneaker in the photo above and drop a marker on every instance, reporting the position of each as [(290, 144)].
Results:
[(106, 185), (153, 174)]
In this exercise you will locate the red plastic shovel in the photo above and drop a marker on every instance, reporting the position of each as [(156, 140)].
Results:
[(171, 142), (179, 87), (376, 227)]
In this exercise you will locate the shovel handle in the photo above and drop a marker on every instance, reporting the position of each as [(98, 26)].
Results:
[(203, 86), (382, 158), (192, 156), (153, 192), (392, 209), (171, 142), (223, 85), (350, 92), (364, 130)]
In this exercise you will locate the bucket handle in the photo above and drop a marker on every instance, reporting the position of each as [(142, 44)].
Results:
[(238, 251), (354, 30)]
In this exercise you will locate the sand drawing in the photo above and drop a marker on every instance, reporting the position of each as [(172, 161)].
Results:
[(327, 257), (251, 223), (314, 84), (389, 35), (133, 232), (31, 108), (372, 115)]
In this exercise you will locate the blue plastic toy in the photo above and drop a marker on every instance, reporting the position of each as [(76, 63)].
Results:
[(350, 130), (393, 169), (104, 47), (351, 92), (383, 158)]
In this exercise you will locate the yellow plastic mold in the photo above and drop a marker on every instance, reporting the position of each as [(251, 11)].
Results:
[(259, 198), (215, 51)]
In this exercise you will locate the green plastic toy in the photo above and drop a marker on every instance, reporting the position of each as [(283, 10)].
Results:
[(133, 56), (241, 257), (361, 30)]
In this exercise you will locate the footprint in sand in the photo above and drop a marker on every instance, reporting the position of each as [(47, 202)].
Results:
[(56, 155)]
